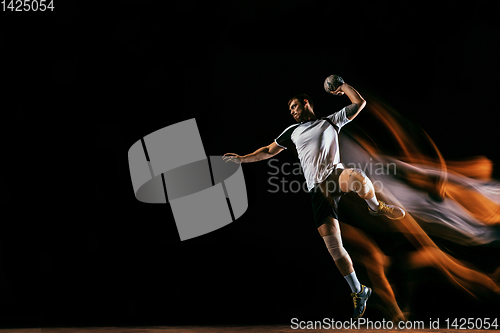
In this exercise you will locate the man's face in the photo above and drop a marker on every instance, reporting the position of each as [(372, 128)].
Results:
[(297, 110)]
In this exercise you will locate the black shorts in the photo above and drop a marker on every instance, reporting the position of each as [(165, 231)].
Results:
[(325, 198)]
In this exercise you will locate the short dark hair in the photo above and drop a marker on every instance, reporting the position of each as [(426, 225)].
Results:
[(301, 98)]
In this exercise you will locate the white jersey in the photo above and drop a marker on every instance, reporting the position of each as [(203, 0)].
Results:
[(317, 145)]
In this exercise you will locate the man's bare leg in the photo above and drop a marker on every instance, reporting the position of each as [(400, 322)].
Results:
[(344, 263), (330, 231), (355, 180), (374, 260)]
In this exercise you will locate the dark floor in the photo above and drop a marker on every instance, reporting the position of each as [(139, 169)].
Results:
[(204, 329)]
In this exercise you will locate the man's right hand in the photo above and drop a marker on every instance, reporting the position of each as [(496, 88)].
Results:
[(260, 154), (232, 157)]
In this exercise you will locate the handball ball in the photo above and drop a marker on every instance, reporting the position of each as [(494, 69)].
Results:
[(332, 83)]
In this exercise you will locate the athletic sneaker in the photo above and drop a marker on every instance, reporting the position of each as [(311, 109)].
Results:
[(390, 211), (360, 301)]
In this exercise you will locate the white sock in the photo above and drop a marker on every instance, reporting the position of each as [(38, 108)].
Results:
[(373, 203), (352, 279)]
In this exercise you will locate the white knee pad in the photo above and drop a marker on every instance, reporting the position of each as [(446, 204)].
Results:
[(334, 246), (360, 183)]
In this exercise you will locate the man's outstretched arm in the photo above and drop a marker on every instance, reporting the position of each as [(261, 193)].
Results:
[(260, 154), (358, 102)]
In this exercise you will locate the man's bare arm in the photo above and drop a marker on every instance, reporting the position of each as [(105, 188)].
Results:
[(358, 102), (351, 111), (260, 154)]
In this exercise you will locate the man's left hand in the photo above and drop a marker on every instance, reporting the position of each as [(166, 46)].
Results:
[(338, 91)]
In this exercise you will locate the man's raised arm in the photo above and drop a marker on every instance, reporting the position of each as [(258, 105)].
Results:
[(358, 102), (260, 154)]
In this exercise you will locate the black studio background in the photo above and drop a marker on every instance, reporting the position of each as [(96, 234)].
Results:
[(81, 84)]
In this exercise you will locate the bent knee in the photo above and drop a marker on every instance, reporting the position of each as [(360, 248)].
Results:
[(355, 180)]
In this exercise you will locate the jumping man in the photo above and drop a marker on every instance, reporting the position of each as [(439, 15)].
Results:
[(316, 142)]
